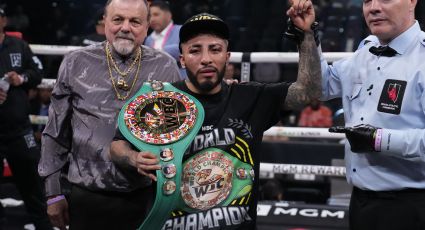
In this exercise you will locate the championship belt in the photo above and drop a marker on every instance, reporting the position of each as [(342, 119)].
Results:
[(163, 120), (214, 178)]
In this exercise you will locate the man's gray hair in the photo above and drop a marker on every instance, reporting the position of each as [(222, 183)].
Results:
[(144, 1)]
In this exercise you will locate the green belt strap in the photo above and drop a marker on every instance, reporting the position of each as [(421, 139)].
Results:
[(147, 121)]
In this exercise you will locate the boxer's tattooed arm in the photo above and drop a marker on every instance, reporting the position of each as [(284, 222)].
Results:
[(120, 154), (308, 85), (123, 161)]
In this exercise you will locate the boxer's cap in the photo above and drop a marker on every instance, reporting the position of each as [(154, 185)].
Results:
[(203, 23)]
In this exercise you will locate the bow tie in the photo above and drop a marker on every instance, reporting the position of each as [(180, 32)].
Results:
[(385, 51)]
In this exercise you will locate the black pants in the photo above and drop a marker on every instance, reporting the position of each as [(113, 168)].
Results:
[(90, 210), (396, 210), (23, 154)]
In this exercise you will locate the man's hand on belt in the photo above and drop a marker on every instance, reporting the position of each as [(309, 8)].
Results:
[(146, 164), (363, 138)]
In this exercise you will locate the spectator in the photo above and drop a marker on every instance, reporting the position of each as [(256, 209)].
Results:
[(165, 34), (19, 21), (315, 115), (99, 35), (272, 190), (232, 72), (58, 26), (40, 105), (22, 70)]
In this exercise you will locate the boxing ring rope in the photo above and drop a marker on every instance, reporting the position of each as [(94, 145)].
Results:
[(282, 57), (298, 132), (52, 49), (237, 57), (246, 59), (268, 169), (318, 170)]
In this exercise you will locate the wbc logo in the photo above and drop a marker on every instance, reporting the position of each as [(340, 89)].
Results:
[(160, 117)]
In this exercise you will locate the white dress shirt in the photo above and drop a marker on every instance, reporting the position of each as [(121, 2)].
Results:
[(389, 93), (160, 38)]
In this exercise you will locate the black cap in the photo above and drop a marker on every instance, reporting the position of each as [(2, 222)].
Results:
[(203, 23), (2, 13)]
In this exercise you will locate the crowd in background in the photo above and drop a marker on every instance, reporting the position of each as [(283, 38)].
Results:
[(68, 22), (341, 26), (62, 22)]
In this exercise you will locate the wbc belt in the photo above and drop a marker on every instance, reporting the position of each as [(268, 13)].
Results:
[(212, 178), (163, 120)]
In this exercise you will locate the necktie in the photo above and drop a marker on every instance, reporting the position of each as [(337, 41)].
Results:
[(385, 51)]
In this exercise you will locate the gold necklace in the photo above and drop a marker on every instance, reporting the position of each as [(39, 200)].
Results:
[(121, 82), (116, 87), (126, 72)]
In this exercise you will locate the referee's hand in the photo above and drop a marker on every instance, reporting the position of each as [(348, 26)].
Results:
[(361, 137)]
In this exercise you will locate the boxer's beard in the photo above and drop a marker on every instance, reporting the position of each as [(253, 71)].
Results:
[(208, 85)]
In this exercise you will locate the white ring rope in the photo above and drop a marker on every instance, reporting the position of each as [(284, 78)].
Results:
[(318, 170), (276, 131), (299, 132), (256, 57), (283, 57), (268, 168), (38, 120), (52, 49)]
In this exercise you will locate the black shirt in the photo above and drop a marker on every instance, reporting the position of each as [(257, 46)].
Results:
[(15, 55), (235, 119)]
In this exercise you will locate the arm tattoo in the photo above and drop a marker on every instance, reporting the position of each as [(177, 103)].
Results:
[(120, 154), (308, 85), (123, 161)]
